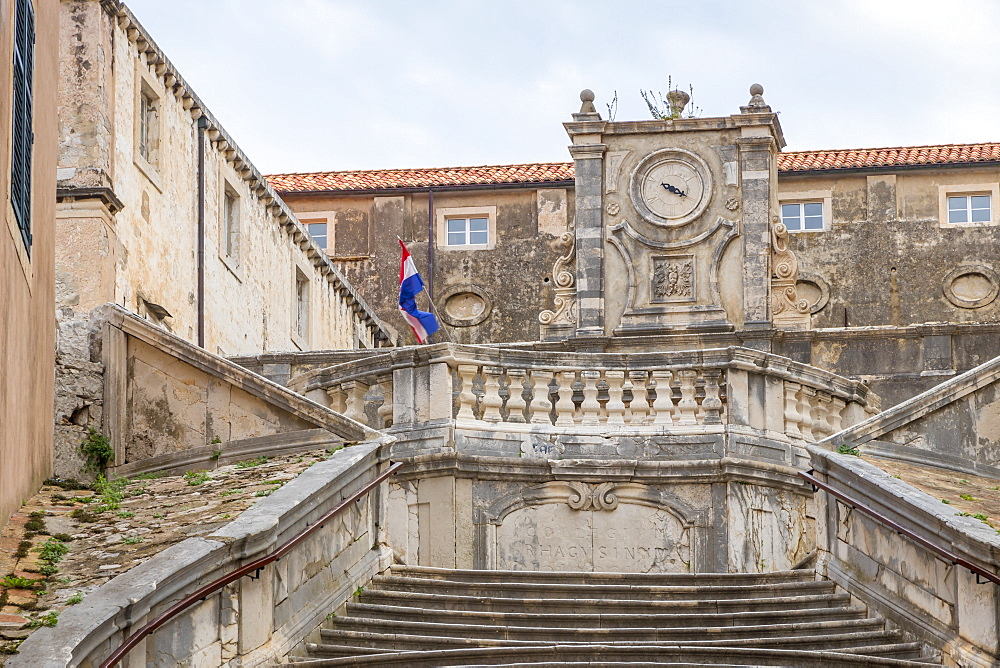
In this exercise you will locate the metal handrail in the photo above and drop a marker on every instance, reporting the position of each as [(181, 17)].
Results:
[(898, 528), (256, 565)]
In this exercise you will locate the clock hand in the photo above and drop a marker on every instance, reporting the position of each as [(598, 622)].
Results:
[(674, 189)]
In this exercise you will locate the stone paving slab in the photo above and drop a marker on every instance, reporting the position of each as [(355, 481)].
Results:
[(153, 514)]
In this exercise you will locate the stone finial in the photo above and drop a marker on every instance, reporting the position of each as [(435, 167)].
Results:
[(587, 97), (756, 105), (677, 99)]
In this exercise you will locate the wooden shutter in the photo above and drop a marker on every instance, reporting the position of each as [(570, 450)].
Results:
[(23, 138)]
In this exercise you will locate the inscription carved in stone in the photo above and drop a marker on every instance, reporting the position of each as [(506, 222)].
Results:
[(673, 279)]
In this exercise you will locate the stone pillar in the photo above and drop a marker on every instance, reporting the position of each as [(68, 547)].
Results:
[(757, 147), (588, 159)]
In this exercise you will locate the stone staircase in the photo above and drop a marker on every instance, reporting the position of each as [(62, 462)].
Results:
[(419, 616)]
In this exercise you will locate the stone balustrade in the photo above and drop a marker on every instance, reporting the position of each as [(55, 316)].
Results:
[(484, 387)]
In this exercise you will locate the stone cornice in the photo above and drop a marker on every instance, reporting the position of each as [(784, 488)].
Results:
[(106, 195)]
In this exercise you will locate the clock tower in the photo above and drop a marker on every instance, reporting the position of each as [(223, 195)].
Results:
[(675, 221)]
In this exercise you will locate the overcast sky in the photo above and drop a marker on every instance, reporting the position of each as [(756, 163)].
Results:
[(315, 85)]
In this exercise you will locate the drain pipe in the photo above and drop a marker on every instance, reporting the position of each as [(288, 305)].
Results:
[(202, 126), (430, 245)]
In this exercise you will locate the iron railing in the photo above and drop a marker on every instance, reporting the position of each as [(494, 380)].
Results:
[(945, 554)]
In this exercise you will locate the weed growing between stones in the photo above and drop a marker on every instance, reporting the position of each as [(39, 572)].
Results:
[(48, 619), (15, 582), (250, 463), (96, 450), (51, 553), (967, 497), (194, 478), (132, 540), (75, 598), (845, 449), (110, 493)]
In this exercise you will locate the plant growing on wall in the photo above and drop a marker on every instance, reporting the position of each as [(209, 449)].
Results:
[(96, 450), (673, 104)]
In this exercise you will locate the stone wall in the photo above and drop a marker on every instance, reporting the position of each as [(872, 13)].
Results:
[(154, 394), (26, 275), (482, 295), (927, 595), (251, 622), (887, 259)]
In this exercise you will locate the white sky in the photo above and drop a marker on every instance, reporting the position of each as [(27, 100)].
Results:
[(315, 85)]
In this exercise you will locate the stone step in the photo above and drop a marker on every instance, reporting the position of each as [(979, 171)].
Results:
[(600, 591), (603, 606), (400, 616), (412, 636), (570, 577), (876, 643), (632, 655)]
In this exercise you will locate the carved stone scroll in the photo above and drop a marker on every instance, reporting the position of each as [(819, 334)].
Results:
[(565, 312), (787, 310), (592, 497)]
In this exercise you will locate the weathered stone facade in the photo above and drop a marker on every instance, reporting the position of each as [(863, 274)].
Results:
[(159, 211)]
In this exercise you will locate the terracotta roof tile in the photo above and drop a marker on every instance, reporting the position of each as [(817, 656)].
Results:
[(795, 161), (423, 178), (853, 158)]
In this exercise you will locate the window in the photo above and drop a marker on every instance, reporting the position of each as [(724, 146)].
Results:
[(968, 205), (22, 137), (969, 209), (301, 330), (802, 216), (147, 125), (466, 228), (230, 223), (468, 231), (317, 231)]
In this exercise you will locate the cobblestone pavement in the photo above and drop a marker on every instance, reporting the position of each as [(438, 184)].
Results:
[(109, 531)]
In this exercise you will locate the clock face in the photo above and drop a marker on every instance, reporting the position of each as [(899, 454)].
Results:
[(671, 187)]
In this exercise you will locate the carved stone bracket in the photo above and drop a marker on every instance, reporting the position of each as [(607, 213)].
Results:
[(565, 312), (592, 497), (787, 310)]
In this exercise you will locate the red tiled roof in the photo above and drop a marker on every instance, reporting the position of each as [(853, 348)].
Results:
[(795, 161), (853, 158), (423, 178)]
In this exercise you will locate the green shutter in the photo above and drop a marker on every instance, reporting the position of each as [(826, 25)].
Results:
[(22, 139)]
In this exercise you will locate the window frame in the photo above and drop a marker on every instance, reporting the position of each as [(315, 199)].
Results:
[(444, 214), (230, 218), (147, 137), (22, 126), (822, 197), (301, 302), (992, 190), (328, 218)]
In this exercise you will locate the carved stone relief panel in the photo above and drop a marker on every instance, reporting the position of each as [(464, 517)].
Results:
[(971, 286), (673, 279)]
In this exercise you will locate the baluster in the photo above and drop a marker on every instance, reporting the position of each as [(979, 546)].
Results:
[(356, 391), (564, 404), (687, 407), (836, 418), (663, 404), (590, 408), (466, 397), (792, 417), (711, 405), (807, 400), (615, 406), (821, 418), (385, 410), (492, 401), (540, 406), (338, 399), (639, 406), (515, 398)]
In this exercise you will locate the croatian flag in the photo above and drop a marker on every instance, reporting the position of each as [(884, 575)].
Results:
[(423, 324)]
